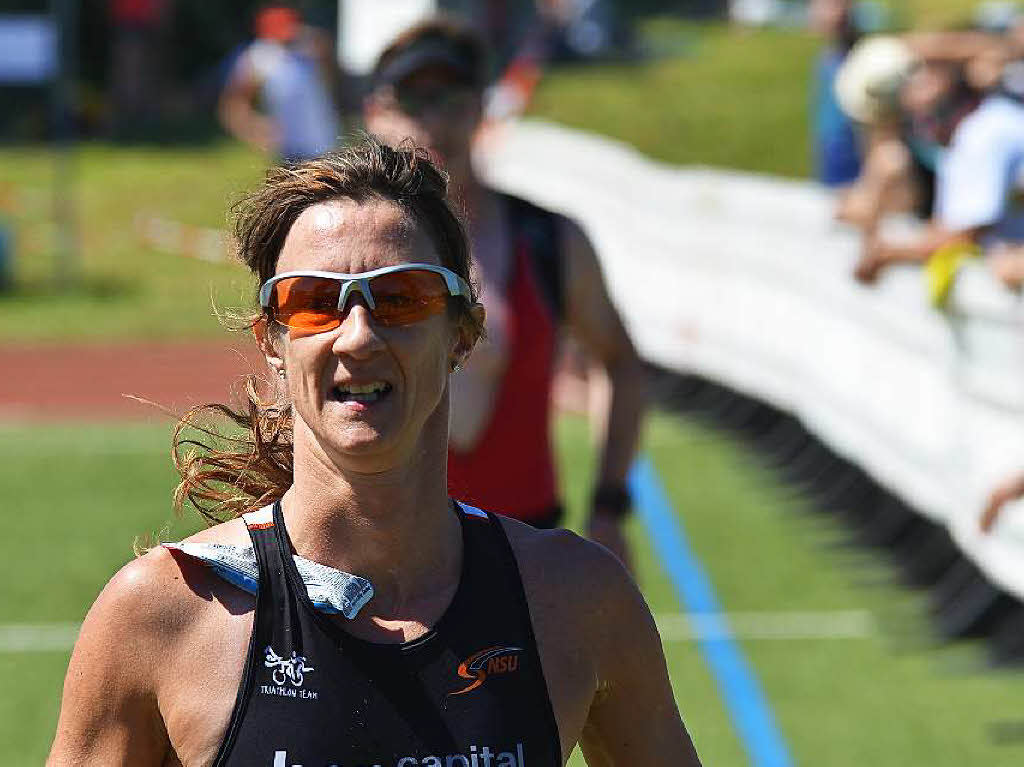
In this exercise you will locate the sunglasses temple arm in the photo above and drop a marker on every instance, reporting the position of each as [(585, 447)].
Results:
[(456, 285)]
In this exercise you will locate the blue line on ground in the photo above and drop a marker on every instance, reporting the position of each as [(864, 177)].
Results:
[(744, 699)]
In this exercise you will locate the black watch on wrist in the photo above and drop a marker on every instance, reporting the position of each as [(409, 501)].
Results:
[(613, 500)]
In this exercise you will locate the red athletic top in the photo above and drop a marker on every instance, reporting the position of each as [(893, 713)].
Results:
[(511, 470)]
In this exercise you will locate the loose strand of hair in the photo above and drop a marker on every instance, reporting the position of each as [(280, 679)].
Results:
[(224, 475)]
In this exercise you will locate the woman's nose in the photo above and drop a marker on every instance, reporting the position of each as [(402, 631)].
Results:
[(357, 336)]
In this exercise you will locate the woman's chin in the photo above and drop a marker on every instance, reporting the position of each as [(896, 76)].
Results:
[(358, 441)]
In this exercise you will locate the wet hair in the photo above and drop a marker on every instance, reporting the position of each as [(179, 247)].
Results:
[(227, 473)]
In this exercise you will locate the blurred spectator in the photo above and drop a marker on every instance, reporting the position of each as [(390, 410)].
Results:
[(136, 64), (894, 178), (975, 206), (537, 272), (907, 101), (836, 152), (286, 70)]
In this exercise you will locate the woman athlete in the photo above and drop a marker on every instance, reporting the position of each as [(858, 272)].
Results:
[(460, 638), (539, 279)]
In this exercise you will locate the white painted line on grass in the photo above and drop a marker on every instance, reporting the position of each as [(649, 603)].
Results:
[(835, 624), (674, 627)]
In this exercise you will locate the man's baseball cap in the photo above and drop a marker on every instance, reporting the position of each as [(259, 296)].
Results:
[(424, 54), (433, 43)]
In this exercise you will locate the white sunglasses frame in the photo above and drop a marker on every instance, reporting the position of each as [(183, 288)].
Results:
[(361, 281)]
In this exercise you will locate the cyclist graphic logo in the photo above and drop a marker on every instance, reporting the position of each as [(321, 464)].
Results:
[(287, 669)]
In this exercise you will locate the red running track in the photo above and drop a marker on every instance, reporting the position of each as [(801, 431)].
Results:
[(89, 383), (97, 383)]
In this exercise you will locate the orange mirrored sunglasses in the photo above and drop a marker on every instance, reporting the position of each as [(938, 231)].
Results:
[(395, 295)]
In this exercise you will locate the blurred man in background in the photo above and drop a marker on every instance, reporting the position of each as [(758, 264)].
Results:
[(286, 71), (538, 273)]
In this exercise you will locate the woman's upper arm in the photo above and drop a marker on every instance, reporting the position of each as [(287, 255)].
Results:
[(109, 713), (634, 718), (591, 315)]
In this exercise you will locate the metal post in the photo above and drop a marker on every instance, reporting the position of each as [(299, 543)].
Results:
[(66, 266)]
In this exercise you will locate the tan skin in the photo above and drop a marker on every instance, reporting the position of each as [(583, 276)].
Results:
[(154, 674), (879, 255), (1011, 489), (619, 388), (1006, 262)]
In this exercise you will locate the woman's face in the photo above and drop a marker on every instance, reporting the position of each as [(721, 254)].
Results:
[(407, 365)]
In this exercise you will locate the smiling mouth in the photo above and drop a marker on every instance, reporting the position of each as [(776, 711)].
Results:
[(363, 394)]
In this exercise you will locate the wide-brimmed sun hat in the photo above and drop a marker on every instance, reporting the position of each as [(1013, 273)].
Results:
[(869, 81)]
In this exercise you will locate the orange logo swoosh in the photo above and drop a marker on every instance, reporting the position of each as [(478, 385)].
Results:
[(498, 659)]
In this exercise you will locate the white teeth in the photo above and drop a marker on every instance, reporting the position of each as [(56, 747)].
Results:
[(373, 388)]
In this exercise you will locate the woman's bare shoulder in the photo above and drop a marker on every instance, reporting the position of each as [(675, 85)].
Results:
[(163, 591), (155, 613), (234, 532), (568, 570)]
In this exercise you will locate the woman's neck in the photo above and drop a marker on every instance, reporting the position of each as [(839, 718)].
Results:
[(395, 527)]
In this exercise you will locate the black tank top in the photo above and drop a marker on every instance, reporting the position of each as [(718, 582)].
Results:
[(469, 693)]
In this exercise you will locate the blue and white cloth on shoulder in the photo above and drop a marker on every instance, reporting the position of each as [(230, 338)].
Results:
[(330, 590)]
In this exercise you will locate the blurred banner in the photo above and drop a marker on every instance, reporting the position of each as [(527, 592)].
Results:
[(747, 281), (365, 27)]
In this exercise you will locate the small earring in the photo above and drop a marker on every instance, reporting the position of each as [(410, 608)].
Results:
[(456, 366), (282, 375)]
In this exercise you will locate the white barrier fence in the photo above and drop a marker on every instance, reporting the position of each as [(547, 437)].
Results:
[(747, 281)]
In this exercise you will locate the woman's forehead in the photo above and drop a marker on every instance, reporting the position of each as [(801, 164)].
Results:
[(348, 236)]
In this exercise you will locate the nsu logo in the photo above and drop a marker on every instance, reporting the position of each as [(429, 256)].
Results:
[(492, 661)]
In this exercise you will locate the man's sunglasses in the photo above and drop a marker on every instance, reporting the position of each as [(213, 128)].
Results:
[(395, 295), (415, 101)]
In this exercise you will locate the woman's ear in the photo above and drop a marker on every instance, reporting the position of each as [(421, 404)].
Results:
[(467, 334), (268, 341)]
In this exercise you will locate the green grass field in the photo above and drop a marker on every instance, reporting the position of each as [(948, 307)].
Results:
[(728, 97), (124, 289), (894, 699)]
